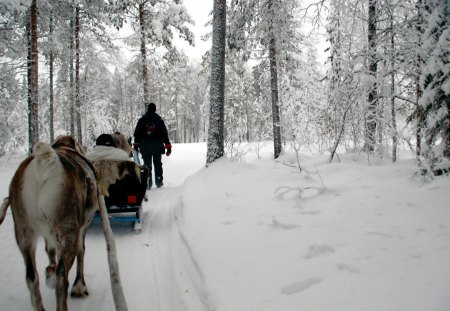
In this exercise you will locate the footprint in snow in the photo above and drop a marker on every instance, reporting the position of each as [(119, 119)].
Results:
[(380, 234), (346, 268), (310, 213), (318, 250), (300, 286), (279, 225)]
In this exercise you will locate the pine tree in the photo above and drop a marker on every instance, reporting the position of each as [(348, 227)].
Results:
[(155, 22), (270, 27), (274, 79), (33, 84), (217, 86), (435, 85)]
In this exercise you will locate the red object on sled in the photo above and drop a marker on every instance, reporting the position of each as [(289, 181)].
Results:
[(132, 199)]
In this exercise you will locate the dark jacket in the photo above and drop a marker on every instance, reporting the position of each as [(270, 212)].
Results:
[(151, 133)]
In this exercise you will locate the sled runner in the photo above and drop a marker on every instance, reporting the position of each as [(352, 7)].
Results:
[(124, 203)]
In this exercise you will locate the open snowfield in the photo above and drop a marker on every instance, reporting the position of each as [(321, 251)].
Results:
[(258, 235)]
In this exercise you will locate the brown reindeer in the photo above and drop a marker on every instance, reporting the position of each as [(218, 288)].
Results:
[(55, 193), (117, 140), (121, 142)]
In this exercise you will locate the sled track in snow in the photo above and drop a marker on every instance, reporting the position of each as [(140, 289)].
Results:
[(177, 278)]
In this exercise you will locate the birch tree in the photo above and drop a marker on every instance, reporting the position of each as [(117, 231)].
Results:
[(372, 100)]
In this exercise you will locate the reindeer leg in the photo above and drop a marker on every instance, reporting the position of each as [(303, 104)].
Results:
[(27, 244), (62, 276), (79, 288), (51, 268), (3, 209)]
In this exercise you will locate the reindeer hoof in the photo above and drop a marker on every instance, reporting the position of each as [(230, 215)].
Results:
[(50, 276), (79, 291)]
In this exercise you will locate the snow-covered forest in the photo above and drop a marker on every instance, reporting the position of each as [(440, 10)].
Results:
[(384, 84), (324, 126)]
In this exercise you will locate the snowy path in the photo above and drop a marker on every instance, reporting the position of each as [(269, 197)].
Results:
[(258, 236), (157, 268)]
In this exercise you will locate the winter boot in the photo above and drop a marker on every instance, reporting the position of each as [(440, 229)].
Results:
[(158, 181)]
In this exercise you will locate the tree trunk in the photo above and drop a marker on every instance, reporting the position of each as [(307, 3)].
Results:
[(33, 66), (419, 111), (371, 124), (274, 88), (177, 125), (248, 122), (393, 115), (77, 75), (71, 79), (51, 71), (446, 137), (217, 88), (143, 54), (340, 133)]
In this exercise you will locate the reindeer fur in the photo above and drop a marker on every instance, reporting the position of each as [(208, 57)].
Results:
[(55, 194)]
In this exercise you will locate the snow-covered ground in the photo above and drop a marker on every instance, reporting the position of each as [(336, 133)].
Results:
[(258, 235)]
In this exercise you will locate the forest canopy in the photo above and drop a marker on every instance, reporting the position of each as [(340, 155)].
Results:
[(385, 85)]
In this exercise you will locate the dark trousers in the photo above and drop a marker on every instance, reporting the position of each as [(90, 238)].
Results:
[(156, 158)]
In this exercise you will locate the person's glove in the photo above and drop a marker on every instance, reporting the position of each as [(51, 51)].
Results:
[(136, 146), (168, 149)]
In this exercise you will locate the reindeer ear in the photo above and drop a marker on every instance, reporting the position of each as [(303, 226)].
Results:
[(65, 141)]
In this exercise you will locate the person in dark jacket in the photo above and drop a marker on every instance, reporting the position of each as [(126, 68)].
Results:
[(152, 140)]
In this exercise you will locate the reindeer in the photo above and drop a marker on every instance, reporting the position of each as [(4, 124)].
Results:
[(117, 140), (55, 193)]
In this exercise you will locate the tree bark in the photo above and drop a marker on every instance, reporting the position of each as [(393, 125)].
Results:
[(371, 124), (77, 75), (393, 115), (419, 111), (217, 87), (51, 77), (274, 88), (71, 77), (142, 17), (33, 66)]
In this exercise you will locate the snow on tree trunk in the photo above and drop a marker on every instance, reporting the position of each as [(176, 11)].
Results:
[(33, 95), (393, 115), (419, 111), (71, 78), (274, 92), (217, 89), (51, 78), (143, 53), (435, 86), (274, 87), (371, 123), (77, 75)]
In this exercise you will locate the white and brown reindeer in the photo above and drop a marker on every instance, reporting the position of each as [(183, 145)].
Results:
[(55, 193)]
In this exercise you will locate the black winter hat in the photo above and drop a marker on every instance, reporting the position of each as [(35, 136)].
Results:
[(151, 107)]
